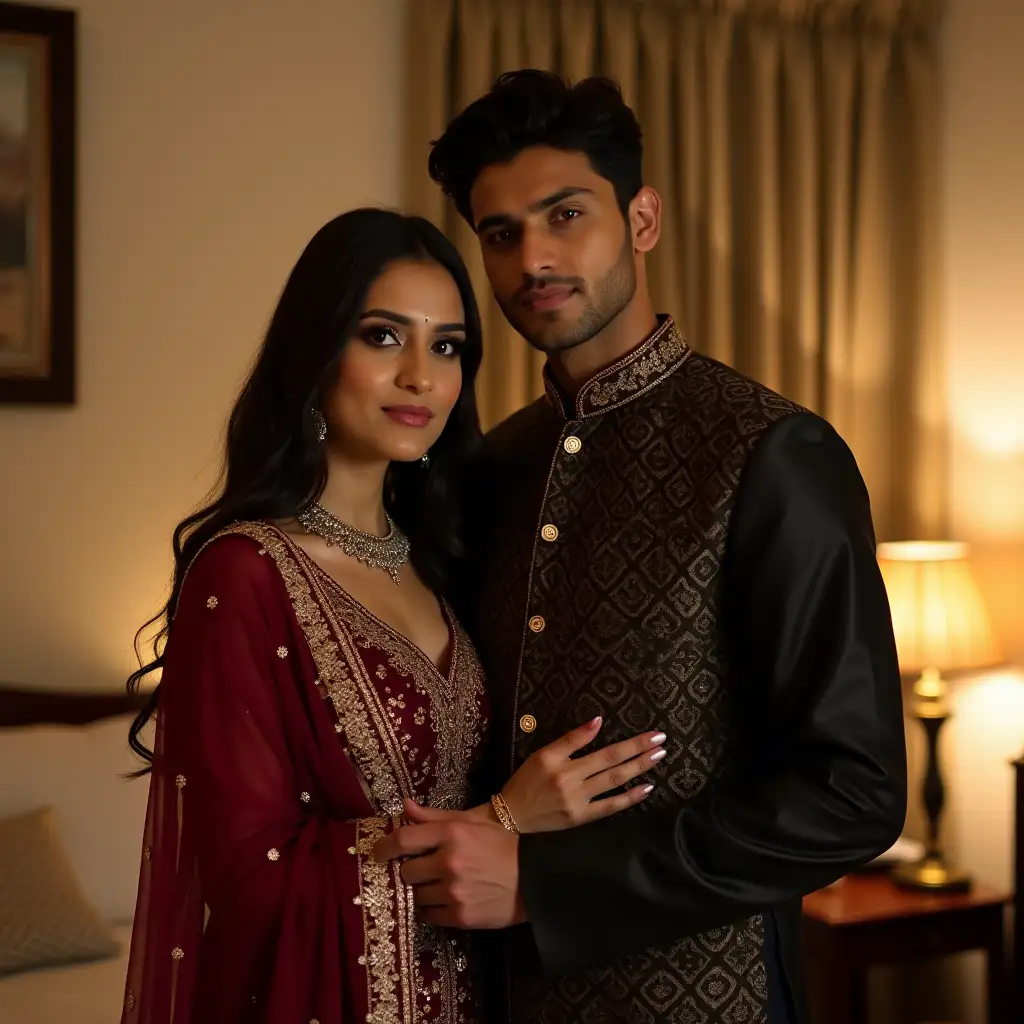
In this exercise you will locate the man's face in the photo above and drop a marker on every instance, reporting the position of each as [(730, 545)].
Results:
[(557, 250)]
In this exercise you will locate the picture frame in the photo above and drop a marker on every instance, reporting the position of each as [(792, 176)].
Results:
[(38, 56)]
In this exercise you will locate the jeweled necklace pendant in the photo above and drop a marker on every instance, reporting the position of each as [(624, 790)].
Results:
[(388, 553)]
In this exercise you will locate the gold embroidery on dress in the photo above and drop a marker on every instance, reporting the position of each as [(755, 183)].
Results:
[(334, 627), (179, 782), (449, 960), (177, 954), (333, 669), (381, 956), (409, 975), (387, 772), (454, 700)]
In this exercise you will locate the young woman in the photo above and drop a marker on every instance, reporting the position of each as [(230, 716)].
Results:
[(314, 675)]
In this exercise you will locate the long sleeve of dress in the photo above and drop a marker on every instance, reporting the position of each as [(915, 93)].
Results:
[(258, 834), (824, 787)]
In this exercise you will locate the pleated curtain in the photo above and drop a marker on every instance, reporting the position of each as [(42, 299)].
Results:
[(795, 146)]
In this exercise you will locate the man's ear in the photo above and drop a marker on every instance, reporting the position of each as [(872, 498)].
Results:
[(645, 219)]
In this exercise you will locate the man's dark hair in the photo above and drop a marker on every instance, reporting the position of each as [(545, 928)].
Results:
[(535, 108)]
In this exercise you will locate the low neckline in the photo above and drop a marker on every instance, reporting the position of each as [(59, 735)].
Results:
[(452, 649)]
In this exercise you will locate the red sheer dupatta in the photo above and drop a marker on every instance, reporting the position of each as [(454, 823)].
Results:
[(258, 897)]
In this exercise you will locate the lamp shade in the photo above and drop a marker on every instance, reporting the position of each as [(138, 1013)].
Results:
[(938, 614)]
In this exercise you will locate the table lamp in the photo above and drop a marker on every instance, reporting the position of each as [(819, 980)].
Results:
[(941, 625)]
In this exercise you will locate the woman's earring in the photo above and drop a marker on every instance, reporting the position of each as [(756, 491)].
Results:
[(319, 424), (425, 459)]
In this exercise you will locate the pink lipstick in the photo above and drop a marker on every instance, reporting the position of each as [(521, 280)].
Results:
[(410, 415)]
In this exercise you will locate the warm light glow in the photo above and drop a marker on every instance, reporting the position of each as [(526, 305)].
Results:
[(938, 614), (922, 551), (988, 493), (989, 710), (998, 433)]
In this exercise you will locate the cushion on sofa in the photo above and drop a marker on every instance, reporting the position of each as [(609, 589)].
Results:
[(79, 772), (45, 917)]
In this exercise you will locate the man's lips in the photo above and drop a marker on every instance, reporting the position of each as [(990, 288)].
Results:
[(547, 298), (410, 415)]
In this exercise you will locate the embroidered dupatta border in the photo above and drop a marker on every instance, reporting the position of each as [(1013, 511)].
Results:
[(389, 966)]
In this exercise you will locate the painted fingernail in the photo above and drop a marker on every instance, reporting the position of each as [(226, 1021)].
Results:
[(594, 722), (648, 789), (657, 756), (657, 739)]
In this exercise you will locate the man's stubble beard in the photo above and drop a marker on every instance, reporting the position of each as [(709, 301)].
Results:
[(611, 296)]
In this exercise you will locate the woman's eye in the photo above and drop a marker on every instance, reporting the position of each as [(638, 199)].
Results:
[(448, 347), (381, 336)]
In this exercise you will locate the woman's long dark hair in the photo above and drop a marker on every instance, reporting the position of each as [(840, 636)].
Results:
[(274, 464)]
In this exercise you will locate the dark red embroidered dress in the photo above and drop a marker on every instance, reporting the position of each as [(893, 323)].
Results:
[(292, 724)]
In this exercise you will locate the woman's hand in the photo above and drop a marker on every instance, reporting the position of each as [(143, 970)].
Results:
[(552, 790)]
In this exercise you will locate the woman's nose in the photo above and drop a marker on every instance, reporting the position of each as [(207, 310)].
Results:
[(414, 372)]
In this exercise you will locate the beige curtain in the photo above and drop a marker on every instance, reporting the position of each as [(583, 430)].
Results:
[(794, 143)]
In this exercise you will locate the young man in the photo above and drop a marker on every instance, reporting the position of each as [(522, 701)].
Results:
[(669, 546)]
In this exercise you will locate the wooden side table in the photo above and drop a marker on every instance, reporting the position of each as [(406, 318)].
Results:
[(866, 921)]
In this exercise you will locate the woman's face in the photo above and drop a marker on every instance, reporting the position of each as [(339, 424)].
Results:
[(401, 372)]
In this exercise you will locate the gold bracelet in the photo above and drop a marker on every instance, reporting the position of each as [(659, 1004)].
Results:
[(503, 813)]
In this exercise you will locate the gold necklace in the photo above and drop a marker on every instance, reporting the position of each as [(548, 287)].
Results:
[(388, 553)]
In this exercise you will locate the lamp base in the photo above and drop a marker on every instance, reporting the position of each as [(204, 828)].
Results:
[(931, 874)]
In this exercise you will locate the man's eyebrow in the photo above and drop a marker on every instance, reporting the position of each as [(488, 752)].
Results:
[(495, 220)]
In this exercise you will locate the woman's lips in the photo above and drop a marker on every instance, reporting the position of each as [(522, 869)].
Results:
[(410, 415)]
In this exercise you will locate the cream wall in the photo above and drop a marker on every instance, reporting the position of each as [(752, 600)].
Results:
[(984, 228), (984, 319), (984, 159), (215, 137)]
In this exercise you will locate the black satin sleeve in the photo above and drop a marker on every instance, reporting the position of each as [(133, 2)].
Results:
[(822, 786)]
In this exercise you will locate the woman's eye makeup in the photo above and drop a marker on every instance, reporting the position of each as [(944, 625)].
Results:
[(450, 347), (381, 335), (386, 336)]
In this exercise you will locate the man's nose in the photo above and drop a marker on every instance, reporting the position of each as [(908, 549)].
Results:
[(537, 252)]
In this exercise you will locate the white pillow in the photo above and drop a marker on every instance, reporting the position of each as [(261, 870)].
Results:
[(77, 770)]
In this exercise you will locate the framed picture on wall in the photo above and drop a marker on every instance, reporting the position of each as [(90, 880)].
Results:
[(37, 204)]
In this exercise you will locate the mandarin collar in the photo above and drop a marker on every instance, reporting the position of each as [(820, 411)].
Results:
[(658, 356)]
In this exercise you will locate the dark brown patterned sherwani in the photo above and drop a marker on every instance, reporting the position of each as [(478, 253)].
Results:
[(679, 548)]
